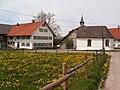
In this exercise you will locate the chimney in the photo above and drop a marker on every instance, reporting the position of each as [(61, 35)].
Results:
[(33, 21), (118, 26), (17, 24)]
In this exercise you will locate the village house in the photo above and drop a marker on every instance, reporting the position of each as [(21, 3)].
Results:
[(33, 35), (90, 37), (116, 34), (4, 29)]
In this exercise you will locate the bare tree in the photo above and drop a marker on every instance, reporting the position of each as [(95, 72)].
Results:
[(49, 18)]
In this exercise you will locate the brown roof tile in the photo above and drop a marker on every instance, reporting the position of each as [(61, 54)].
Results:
[(115, 32), (93, 32), (4, 29)]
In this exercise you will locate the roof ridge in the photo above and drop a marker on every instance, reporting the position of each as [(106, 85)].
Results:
[(113, 28), (5, 24), (27, 23)]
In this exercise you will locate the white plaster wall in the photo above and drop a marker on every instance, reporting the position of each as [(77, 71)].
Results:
[(31, 40), (20, 42), (116, 44), (38, 33), (96, 44)]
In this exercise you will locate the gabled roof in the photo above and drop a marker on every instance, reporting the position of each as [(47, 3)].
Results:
[(90, 32), (93, 32), (115, 32), (4, 29), (24, 29), (67, 35)]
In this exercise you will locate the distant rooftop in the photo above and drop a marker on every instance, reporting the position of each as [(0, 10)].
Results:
[(4, 29)]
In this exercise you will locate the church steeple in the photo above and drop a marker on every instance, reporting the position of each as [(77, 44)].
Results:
[(82, 21)]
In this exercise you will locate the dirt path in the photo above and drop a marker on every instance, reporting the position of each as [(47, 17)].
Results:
[(113, 80)]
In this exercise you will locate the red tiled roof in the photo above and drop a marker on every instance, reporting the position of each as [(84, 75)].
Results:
[(115, 32), (24, 29)]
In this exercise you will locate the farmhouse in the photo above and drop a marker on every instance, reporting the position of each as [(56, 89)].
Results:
[(30, 36), (90, 37), (116, 34), (4, 29)]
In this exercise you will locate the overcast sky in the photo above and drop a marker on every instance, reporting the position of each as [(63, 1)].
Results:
[(68, 12)]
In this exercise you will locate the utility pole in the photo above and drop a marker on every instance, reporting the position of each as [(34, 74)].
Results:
[(103, 49)]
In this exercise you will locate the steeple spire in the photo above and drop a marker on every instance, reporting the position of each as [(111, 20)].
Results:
[(82, 21)]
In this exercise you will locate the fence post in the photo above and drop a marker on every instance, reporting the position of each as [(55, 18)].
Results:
[(96, 57), (35, 50), (64, 68), (86, 68), (93, 59)]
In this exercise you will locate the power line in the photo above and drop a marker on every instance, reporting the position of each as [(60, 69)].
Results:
[(33, 15), (16, 13), (67, 20), (55, 19)]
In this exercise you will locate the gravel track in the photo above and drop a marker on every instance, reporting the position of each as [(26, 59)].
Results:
[(113, 79)]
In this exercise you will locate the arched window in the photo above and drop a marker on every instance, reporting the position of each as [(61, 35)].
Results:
[(107, 42), (89, 42)]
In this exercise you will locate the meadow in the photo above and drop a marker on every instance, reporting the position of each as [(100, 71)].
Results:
[(31, 71)]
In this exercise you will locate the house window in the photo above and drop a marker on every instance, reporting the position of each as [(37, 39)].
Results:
[(50, 38), (89, 42), (43, 25), (50, 44), (10, 38), (45, 30), (35, 37), (9, 43), (1, 38), (41, 29), (41, 37), (107, 42), (23, 44), (28, 44), (18, 37), (23, 37), (27, 37), (45, 37), (118, 40)]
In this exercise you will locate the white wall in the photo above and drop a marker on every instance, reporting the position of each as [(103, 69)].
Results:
[(25, 41), (116, 44), (38, 33), (96, 44), (31, 40)]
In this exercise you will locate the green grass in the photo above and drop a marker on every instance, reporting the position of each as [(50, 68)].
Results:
[(31, 71)]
